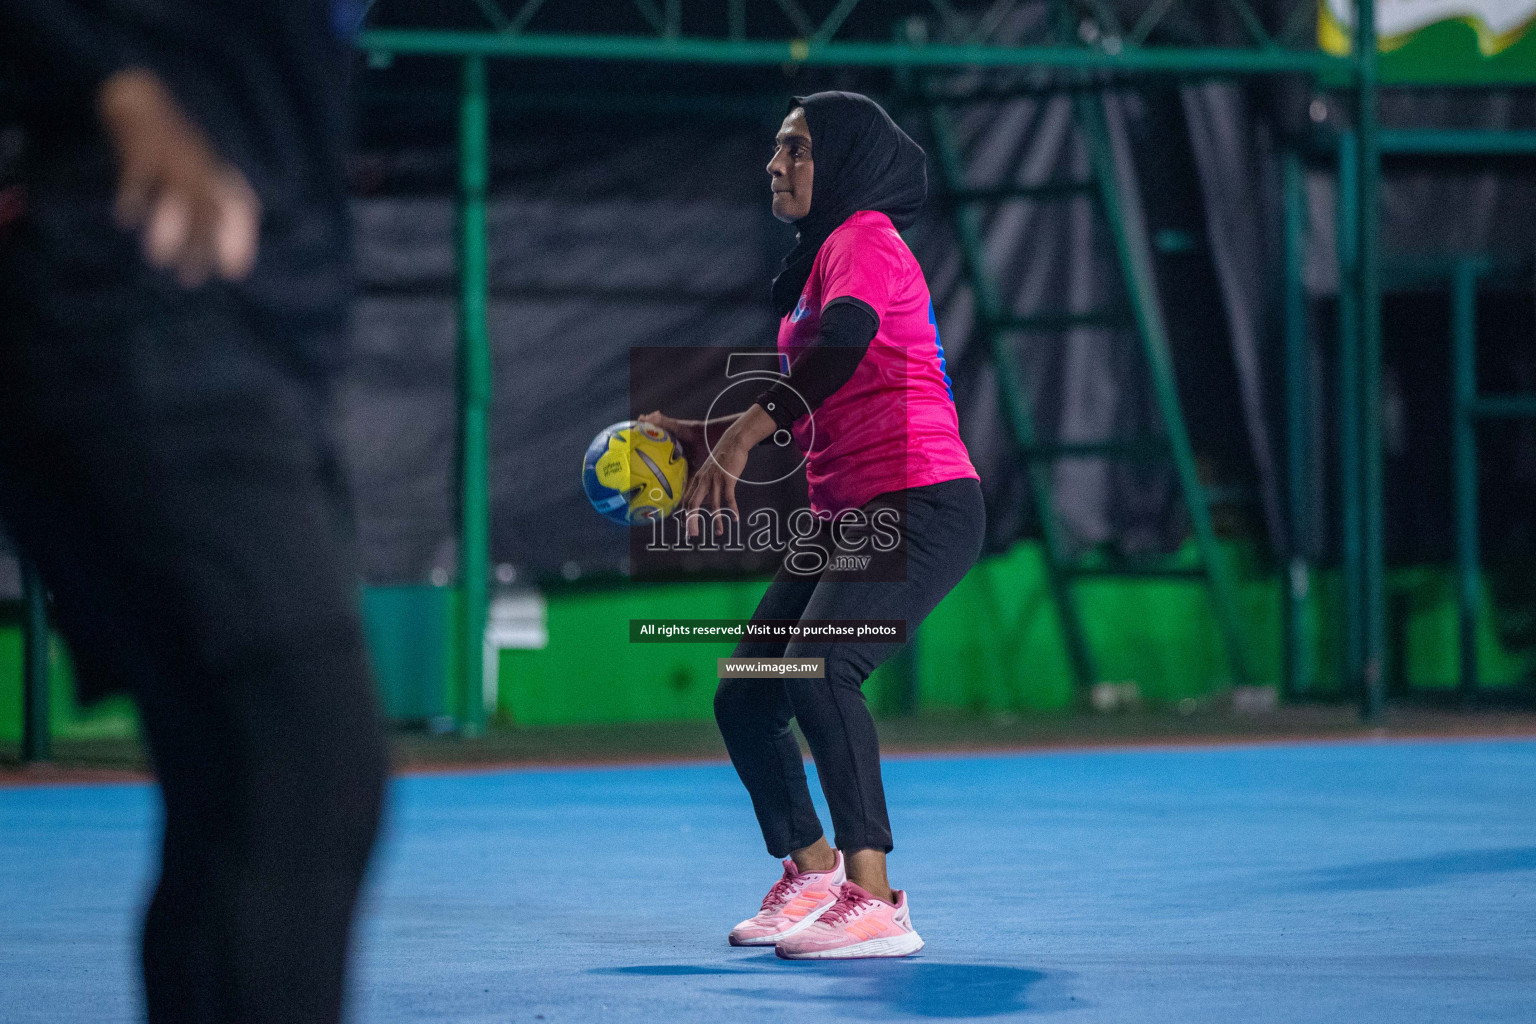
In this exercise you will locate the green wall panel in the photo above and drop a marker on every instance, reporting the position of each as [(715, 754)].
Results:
[(590, 672), (410, 636), (111, 718), (991, 647)]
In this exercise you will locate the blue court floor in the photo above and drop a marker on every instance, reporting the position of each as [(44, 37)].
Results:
[(1389, 882)]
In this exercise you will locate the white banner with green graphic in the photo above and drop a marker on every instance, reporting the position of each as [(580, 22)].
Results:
[(1441, 40)]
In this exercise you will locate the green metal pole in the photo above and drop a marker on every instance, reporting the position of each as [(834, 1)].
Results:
[(1464, 439), (36, 734), (474, 392), (1506, 406), (1347, 226), (1172, 60), (1297, 584), (1373, 560), (1459, 141)]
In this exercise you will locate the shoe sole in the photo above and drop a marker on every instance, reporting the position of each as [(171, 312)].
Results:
[(896, 945), (769, 940)]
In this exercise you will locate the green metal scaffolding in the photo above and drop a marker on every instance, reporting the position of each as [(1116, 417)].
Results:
[(1367, 269), (1118, 55), (994, 323), (1469, 407), (1359, 370)]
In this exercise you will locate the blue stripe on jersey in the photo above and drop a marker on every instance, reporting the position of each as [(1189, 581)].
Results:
[(939, 345)]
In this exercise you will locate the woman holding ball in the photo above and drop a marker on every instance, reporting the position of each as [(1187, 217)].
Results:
[(870, 406)]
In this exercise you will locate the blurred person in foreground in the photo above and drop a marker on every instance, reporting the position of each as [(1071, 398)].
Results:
[(172, 307)]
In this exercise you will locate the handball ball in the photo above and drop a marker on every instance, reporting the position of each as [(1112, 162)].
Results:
[(634, 472)]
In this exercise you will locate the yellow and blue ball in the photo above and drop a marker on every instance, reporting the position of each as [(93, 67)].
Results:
[(634, 472)]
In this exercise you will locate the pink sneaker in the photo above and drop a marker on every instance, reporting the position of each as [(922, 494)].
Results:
[(792, 905), (858, 926)]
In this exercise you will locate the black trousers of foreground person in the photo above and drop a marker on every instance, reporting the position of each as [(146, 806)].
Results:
[(165, 461), (944, 525)]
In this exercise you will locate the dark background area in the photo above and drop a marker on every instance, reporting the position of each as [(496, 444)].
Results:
[(628, 210)]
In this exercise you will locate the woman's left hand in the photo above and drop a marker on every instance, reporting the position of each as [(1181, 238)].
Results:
[(713, 486)]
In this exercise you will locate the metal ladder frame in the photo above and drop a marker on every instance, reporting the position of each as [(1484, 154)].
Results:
[(995, 324)]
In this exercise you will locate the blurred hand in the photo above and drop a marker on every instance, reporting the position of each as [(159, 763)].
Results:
[(196, 214)]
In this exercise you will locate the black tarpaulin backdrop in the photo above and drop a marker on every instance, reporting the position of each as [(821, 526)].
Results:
[(613, 232), (594, 249), (601, 243), (633, 213)]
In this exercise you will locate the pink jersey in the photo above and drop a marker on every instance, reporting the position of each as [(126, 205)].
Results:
[(893, 425)]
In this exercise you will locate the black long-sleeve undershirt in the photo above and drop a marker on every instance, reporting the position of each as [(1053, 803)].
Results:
[(847, 328)]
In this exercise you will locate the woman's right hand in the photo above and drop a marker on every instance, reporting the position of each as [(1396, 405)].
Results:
[(688, 433)]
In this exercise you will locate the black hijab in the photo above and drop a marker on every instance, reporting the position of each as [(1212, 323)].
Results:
[(863, 162)]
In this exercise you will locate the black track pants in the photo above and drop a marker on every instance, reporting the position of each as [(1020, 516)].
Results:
[(164, 460), (944, 526)]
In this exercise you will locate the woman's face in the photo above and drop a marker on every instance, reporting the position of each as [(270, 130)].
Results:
[(790, 169)]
